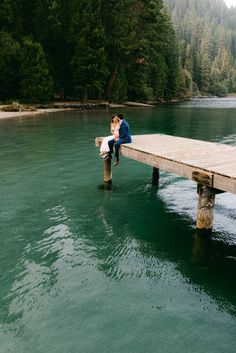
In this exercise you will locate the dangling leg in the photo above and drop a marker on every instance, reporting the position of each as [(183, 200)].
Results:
[(104, 149), (117, 151), (111, 144)]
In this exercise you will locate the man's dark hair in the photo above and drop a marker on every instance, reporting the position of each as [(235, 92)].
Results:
[(121, 116)]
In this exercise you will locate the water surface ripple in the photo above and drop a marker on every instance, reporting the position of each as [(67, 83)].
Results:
[(94, 271)]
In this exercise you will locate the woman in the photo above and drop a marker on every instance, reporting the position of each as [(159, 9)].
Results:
[(115, 126)]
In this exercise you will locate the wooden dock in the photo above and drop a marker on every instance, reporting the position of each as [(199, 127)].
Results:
[(211, 165)]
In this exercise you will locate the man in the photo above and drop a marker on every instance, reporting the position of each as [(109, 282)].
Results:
[(124, 137)]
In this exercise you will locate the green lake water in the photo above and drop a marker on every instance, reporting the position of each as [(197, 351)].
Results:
[(122, 271)]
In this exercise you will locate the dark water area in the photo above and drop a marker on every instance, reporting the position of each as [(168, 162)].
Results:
[(93, 271)]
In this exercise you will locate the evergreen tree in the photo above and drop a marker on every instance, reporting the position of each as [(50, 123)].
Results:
[(9, 66), (205, 72), (206, 30), (139, 59), (153, 72), (172, 59), (52, 30), (120, 26), (17, 17), (36, 83), (89, 60), (185, 83)]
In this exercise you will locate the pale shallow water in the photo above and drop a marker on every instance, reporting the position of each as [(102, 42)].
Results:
[(87, 270)]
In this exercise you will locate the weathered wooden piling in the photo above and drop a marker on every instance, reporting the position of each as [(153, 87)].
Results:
[(107, 173), (206, 202)]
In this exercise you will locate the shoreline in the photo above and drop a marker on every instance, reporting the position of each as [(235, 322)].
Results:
[(19, 115), (12, 111), (60, 107), (77, 106)]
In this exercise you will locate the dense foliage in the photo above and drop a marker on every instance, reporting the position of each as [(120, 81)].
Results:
[(115, 49), (207, 35)]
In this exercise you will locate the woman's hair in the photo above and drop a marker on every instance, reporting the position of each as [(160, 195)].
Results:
[(116, 118)]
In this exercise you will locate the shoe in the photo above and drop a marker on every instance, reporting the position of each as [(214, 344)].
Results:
[(104, 155), (101, 154), (116, 163), (108, 156)]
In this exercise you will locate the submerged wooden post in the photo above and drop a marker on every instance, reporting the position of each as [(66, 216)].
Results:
[(107, 173), (206, 204), (155, 176)]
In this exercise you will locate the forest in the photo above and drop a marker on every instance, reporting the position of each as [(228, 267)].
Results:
[(87, 49), (206, 30), (141, 50)]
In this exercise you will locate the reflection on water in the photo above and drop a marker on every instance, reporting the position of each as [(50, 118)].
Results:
[(202, 249), (88, 270), (223, 103)]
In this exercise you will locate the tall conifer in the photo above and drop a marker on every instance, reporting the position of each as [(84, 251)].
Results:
[(36, 83), (89, 60)]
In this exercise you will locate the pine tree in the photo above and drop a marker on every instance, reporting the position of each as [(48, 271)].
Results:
[(119, 21), (206, 30), (52, 30), (153, 72), (89, 60), (9, 66), (36, 83), (172, 59), (205, 72), (17, 17)]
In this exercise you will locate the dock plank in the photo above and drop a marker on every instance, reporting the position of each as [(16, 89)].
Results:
[(183, 157)]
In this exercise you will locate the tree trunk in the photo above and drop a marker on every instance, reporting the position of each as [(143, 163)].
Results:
[(85, 95), (112, 79)]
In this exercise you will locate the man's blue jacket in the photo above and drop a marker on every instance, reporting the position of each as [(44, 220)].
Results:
[(124, 132)]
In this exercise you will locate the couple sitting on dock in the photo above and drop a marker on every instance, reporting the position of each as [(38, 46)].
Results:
[(120, 134)]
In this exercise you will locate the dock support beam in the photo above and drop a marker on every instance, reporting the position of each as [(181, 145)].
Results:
[(107, 173), (206, 204), (155, 176)]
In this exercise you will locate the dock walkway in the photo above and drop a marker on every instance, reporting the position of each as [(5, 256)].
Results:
[(211, 165)]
